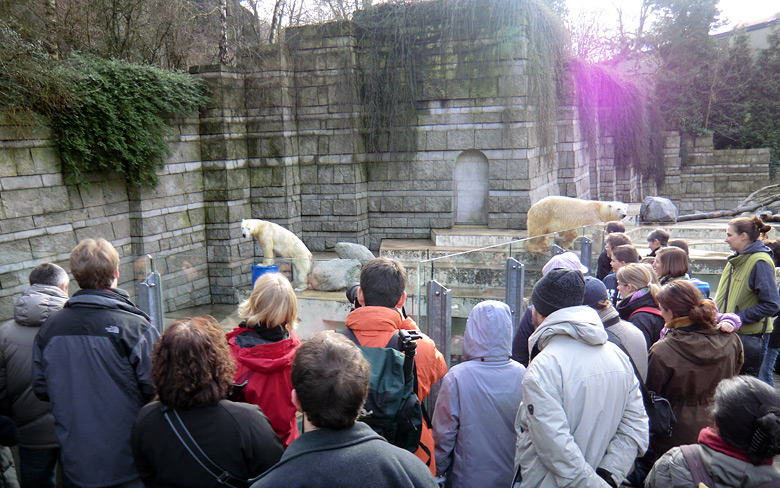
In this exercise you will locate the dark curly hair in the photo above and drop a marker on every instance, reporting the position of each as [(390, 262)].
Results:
[(191, 364)]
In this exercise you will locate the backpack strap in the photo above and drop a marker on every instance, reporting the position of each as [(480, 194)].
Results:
[(651, 310), (408, 365), (692, 455), (222, 476)]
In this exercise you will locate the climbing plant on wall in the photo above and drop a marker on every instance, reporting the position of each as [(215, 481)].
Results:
[(104, 114), (415, 51), (610, 105), (116, 120)]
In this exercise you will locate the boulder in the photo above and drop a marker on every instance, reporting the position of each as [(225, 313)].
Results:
[(657, 209), (335, 274), (350, 250)]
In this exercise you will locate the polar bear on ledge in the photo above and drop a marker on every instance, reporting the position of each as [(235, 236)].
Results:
[(559, 214), (278, 241)]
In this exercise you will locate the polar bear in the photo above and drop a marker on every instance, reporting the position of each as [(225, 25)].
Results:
[(274, 238), (565, 214)]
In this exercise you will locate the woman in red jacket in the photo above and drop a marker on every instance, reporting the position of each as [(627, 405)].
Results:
[(264, 345)]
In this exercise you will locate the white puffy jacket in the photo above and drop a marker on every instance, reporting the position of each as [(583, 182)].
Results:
[(477, 404), (582, 407)]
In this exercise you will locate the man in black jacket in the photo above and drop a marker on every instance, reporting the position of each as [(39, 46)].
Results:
[(92, 362), (39, 450), (330, 383)]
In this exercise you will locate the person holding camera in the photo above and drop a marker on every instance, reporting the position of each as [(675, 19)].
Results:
[(377, 317), (330, 379)]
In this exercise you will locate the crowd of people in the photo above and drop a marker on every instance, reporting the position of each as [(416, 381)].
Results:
[(570, 398)]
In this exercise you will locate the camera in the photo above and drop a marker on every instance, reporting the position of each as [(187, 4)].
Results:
[(352, 295)]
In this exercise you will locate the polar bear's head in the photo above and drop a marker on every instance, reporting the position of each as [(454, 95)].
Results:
[(613, 211), (249, 227)]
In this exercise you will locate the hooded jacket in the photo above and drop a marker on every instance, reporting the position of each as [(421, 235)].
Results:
[(32, 417), (685, 368), (477, 404), (565, 428), (93, 360), (267, 368), (374, 326)]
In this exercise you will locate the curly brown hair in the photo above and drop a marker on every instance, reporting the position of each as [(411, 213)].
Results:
[(191, 364)]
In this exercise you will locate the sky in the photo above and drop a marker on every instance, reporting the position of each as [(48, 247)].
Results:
[(733, 11)]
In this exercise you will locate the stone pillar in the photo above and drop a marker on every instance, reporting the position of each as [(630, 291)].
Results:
[(226, 182)]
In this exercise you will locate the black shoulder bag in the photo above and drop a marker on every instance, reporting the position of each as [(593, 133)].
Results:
[(222, 476), (659, 410)]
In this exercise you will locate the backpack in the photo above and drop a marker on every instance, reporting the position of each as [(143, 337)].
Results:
[(651, 310), (392, 408)]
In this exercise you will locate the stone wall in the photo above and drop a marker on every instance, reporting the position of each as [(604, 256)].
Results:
[(701, 178), (42, 218)]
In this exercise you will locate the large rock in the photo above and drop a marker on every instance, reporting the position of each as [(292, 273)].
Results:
[(335, 274), (658, 209), (350, 250)]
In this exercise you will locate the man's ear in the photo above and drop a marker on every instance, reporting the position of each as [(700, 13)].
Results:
[(361, 299), (294, 397), (401, 301)]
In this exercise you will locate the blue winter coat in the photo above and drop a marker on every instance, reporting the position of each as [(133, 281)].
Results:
[(473, 424)]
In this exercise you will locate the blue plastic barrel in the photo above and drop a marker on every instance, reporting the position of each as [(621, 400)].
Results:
[(258, 270)]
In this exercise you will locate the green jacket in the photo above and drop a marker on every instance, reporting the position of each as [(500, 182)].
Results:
[(734, 293)]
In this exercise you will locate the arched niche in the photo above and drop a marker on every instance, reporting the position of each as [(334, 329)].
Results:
[(471, 188)]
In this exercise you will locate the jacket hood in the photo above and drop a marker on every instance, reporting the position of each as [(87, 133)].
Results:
[(488, 332), (581, 323), (107, 298), (37, 304), (374, 318), (704, 347), (755, 247), (264, 358)]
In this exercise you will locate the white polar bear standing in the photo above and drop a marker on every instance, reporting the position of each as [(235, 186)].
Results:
[(278, 241), (558, 214)]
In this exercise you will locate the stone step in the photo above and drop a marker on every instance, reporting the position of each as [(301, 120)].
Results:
[(473, 237)]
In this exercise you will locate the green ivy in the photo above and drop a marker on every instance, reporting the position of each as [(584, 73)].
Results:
[(117, 118)]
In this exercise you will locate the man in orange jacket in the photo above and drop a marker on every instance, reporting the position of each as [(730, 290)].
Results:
[(381, 295)]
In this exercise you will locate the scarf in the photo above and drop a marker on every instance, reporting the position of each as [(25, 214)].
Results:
[(710, 438), (609, 316)]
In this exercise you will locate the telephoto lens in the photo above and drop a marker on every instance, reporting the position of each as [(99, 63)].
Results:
[(352, 294)]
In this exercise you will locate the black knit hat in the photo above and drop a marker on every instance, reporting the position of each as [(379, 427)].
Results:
[(559, 288)]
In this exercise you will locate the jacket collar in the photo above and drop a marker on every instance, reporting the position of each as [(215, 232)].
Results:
[(106, 298), (329, 439)]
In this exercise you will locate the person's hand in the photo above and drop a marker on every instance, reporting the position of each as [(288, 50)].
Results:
[(726, 327)]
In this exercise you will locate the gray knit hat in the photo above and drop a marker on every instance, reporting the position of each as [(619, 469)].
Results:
[(559, 288)]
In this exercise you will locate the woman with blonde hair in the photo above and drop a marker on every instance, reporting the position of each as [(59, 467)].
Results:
[(263, 345), (689, 363), (638, 287)]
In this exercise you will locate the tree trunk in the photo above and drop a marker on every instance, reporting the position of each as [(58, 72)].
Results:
[(223, 42), (51, 29)]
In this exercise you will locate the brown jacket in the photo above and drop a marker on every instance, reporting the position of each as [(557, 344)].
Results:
[(685, 367), (373, 327)]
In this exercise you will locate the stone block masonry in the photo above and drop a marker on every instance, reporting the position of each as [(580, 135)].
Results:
[(301, 139), (708, 179)]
